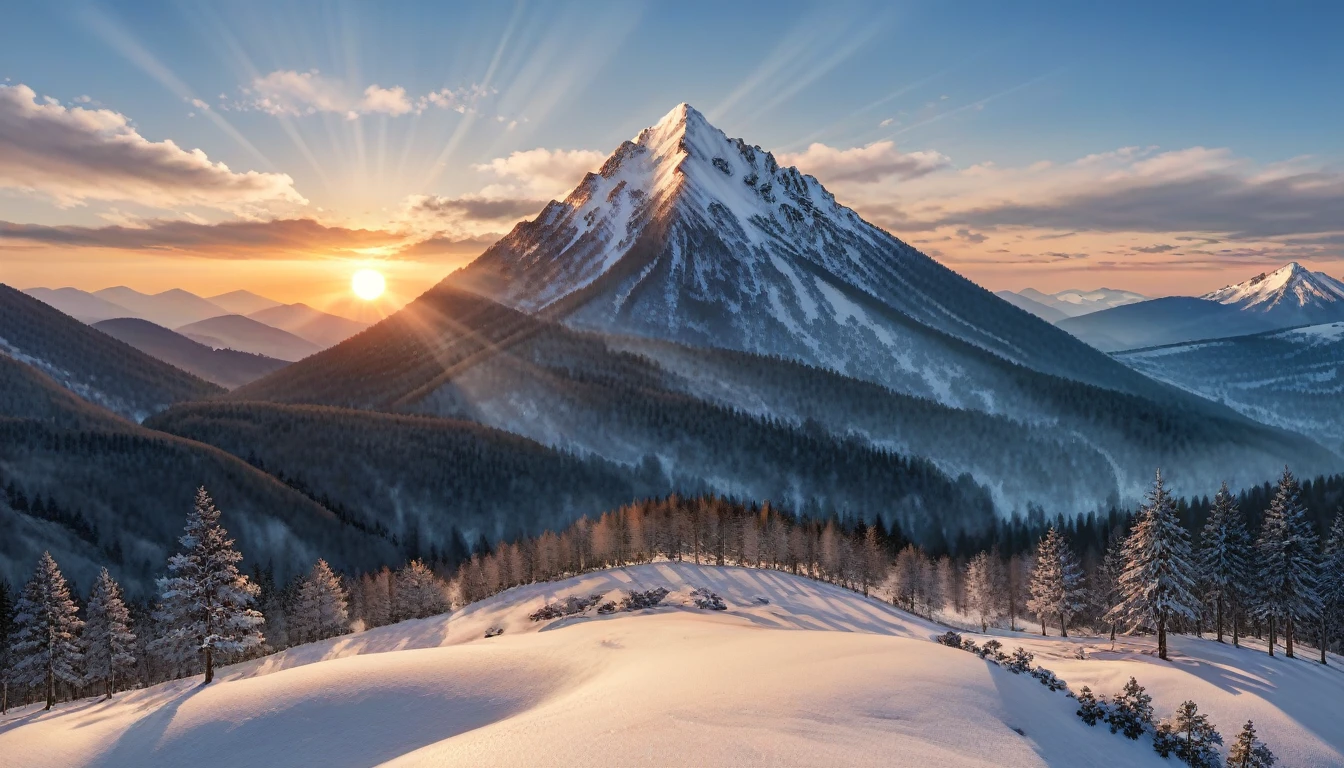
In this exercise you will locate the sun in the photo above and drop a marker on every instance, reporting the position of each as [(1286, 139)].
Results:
[(367, 284)]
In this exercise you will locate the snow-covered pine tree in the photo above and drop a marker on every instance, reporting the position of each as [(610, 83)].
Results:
[(1156, 584), (109, 644), (1224, 560), (1131, 711), (1249, 752), (418, 593), (6, 636), (46, 631), (1286, 576), (982, 589), (1332, 583), (1090, 709), (1106, 578), (1056, 582), (205, 604), (1190, 736), (320, 606)]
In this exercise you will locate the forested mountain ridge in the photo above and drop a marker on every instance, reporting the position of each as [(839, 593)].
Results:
[(92, 364), (227, 368), (96, 489)]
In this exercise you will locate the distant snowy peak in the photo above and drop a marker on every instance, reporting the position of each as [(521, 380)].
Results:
[(1290, 287), (1075, 303)]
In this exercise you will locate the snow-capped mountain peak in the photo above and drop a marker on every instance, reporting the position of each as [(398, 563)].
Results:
[(688, 235), (1290, 287)]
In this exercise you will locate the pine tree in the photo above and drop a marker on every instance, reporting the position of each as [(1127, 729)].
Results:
[(6, 639), (1156, 584), (109, 644), (1332, 583), (982, 589), (418, 593), (205, 603), (1131, 711), (1190, 736), (1224, 560), (1056, 582), (320, 610), (1090, 709), (46, 631), (1248, 751), (1106, 578), (1287, 551)]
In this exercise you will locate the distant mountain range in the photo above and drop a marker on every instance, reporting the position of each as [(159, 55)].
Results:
[(226, 367), (303, 330), (1289, 296)]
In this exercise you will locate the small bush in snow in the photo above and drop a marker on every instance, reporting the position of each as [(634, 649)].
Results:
[(708, 601), (494, 632), (565, 607), (1248, 751), (1020, 661), (1049, 679), (969, 645), (1131, 711), (640, 600), (992, 650), (1190, 736), (950, 639), (607, 607), (1090, 709)]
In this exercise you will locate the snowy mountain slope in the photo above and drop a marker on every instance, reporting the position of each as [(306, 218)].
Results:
[(1290, 378), (1076, 303), (1168, 320), (1044, 311), (1290, 295), (794, 672), (690, 236)]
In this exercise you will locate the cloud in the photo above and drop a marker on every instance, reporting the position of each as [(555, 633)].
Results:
[(449, 246), (1160, 248), (971, 237), (276, 239), (540, 173), (474, 208), (289, 92), (75, 154), (872, 163)]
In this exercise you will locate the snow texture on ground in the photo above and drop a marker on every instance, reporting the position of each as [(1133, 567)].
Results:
[(794, 672)]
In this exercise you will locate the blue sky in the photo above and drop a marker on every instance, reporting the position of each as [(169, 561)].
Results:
[(1011, 100)]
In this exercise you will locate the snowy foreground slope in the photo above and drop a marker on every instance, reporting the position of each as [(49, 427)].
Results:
[(793, 673)]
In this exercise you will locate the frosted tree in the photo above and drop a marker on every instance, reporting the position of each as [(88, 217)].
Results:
[(1332, 583), (1249, 752), (109, 644), (418, 593), (46, 632), (319, 606), (982, 589), (1131, 711), (6, 637), (1190, 737), (1224, 561), (1287, 560), (1106, 579), (1056, 585), (1156, 584), (205, 604), (907, 577)]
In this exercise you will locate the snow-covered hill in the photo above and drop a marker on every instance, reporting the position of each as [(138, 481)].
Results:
[(1292, 378), (793, 672), (1290, 295), (1076, 303), (690, 236)]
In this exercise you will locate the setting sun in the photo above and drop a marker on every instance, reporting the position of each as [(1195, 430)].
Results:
[(367, 284)]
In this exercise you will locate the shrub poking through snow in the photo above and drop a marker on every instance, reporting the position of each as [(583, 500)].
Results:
[(494, 632), (992, 650), (969, 646), (1190, 737), (1090, 709), (1049, 679), (1131, 711), (708, 601), (606, 608), (950, 639), (1249, 752), (565, 607), (638, 601), (1020, 661)]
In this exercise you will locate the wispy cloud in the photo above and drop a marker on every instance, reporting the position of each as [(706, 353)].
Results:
[(872, 163), (74, 154), (293, 93), (276, 239)]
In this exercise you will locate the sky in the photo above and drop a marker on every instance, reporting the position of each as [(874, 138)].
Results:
[(278, 147)]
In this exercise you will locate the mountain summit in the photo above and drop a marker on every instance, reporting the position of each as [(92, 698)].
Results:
[(1292, 291), (687, 235)]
